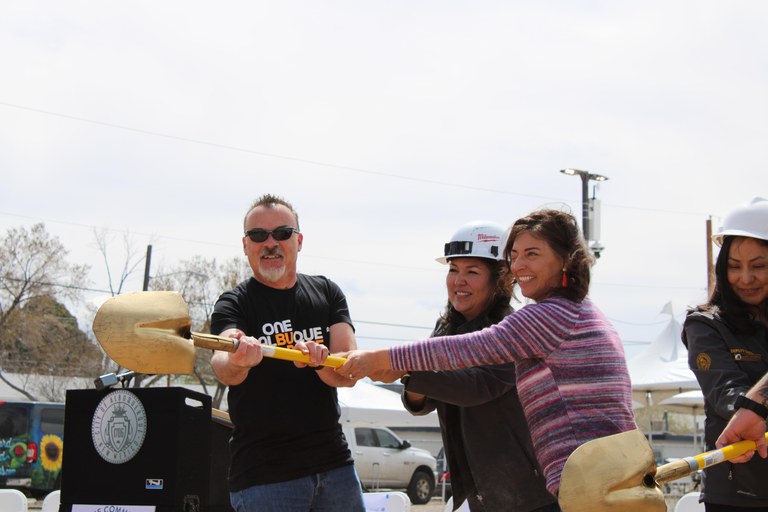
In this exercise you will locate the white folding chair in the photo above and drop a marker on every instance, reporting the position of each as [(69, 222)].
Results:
[(51, 501), (386, 502), (12, 500), (689, 503)]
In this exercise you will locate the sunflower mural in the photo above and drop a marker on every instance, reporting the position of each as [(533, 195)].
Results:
[(51, 452)]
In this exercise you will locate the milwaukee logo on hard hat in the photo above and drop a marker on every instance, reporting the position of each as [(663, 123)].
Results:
[(478, 239)]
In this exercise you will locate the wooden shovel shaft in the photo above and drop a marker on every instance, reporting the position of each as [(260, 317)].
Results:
[(214, 342), (225, 344), (688, 465)]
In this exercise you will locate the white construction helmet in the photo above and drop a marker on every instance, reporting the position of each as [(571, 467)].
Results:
[(748, 219), (478, 239)]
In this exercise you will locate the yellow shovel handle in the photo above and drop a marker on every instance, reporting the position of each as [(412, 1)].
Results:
[(230, 345), (688, 465), (704, 460), (289, 354)]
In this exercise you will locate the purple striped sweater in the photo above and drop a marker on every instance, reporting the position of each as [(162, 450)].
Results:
[(571, 373)]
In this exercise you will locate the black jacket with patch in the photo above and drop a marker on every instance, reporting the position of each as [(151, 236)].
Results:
[(726, 365)]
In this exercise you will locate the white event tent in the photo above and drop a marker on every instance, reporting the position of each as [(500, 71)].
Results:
[(375, 405), (661, 370), (690, 402)]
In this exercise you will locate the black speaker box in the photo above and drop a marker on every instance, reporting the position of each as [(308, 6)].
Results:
[(221, 431), (154, 447)]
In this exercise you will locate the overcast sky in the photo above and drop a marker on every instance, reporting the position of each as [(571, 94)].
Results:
[(388, 125)]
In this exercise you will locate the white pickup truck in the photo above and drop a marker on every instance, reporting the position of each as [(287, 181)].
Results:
[(384, 461)]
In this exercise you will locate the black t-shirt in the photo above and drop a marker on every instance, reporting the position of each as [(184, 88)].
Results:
[(286, 420)]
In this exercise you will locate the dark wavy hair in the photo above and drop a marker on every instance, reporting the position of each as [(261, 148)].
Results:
[(498, 308), (724, 301), (561, 231)]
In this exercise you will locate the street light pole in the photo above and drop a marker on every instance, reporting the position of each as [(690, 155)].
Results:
[(585, 204), (586, 177)]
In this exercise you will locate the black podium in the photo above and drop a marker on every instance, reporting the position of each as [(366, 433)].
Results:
[(157, 448)]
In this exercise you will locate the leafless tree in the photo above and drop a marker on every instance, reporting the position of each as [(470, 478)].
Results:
[(131, 258), (34, 271), (33, 264), (50, 348)]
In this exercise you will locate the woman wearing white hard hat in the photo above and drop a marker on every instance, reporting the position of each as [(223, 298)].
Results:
[(727, 340), (572, 375), (488, 472)]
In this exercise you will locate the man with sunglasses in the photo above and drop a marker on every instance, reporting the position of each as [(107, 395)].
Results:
[(288, 453)]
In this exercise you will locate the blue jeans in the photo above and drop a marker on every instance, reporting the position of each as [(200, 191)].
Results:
[(333, 491)]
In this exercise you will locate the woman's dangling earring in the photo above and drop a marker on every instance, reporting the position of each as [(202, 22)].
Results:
[(565, 279)]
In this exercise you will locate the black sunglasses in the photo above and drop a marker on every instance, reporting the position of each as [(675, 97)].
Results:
[(280, 234)]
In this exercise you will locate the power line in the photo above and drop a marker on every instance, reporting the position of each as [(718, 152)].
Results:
[(332, 258), (638, 323), (392, 325), (216, 244), (268, 155), (411, 340), (55, 285), (92, 226), (635, 342), (191, 303), (315, 162), (210, 305), (388, 338)]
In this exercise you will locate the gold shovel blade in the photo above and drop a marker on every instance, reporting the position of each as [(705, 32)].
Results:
[(146, 332), (149, 332), (618, 473), (611, 474)]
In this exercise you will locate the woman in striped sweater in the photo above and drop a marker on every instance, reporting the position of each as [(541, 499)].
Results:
[(572, 377)]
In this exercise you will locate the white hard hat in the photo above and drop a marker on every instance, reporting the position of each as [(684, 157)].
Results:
[(748, 219), (478, 239)]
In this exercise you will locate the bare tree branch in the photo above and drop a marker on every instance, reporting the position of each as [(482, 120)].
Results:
[(33, 264), (15, 388), (131, 257)]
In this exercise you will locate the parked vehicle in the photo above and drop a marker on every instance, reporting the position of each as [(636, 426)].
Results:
[(384, 461), (31, 446)]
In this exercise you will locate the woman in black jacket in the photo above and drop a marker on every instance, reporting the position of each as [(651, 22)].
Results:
[(727, 340)]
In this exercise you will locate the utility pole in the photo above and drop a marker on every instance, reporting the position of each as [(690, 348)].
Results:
[(147, 262), (710, 265), (588, 216)]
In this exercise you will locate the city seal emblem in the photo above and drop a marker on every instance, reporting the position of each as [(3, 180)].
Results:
[(118, 427)]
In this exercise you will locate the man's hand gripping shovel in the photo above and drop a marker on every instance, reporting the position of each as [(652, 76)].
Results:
[(618, 474), (149, 332)]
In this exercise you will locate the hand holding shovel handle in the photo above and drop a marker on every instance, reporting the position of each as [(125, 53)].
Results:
[(214, 342), (618, 473), (687, 465), (149, 332)]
